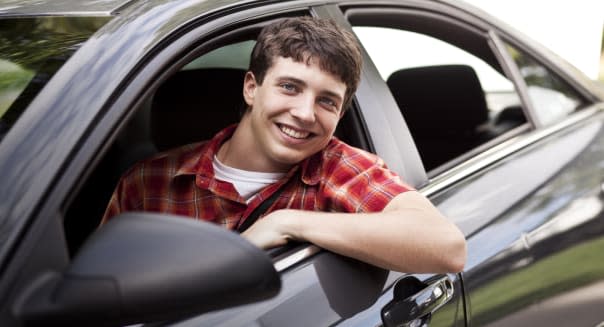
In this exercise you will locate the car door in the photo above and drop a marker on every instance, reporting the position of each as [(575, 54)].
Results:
[(559, 226), (528, 196), (450, 88)]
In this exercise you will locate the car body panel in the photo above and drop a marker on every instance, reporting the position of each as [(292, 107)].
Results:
[(338, 291), (543, 245)]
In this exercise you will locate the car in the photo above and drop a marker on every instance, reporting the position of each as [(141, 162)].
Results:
[(503, 136)]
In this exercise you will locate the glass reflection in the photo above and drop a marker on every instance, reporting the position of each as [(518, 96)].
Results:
[(552, 98), (31, 51)]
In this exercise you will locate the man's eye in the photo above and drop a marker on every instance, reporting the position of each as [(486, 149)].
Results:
[(288, 87), (330, 104)]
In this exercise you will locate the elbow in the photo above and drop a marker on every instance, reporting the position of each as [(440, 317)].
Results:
[(456, 255)]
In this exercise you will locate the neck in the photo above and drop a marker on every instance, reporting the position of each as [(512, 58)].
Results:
[(241, 152)]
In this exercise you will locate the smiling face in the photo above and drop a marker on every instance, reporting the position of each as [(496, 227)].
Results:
[(291, 116)]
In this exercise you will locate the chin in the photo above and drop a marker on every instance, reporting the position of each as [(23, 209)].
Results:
[(288, 159)]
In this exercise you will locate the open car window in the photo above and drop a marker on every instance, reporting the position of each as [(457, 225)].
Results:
[(415, 50), (447, 83), (197, 98)]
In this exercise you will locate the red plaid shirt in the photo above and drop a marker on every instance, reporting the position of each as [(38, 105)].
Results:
[(181, 181)]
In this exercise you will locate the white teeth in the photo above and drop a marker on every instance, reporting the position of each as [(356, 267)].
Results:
[(293, 133)]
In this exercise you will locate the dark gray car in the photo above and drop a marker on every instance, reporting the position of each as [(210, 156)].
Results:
[(506, 139)]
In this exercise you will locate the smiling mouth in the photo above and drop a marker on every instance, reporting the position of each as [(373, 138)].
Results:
[(293, 133)]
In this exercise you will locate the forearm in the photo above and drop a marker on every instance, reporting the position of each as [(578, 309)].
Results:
[(411, 238), (393, 245)]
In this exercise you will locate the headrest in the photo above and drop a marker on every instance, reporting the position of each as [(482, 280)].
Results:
[(193, 105), (439, 99)]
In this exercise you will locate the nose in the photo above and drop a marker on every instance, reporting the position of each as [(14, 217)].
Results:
[(304, 110)]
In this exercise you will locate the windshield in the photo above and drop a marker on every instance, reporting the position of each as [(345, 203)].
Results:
[(31, 51)]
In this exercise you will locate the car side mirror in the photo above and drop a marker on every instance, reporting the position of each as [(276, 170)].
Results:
[(143, 267)]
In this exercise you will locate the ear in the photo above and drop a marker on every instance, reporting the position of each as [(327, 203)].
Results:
[(249, 88)]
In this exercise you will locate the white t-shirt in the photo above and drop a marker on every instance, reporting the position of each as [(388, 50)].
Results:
[(247, 183)]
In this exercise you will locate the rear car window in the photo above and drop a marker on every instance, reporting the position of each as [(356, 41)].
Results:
[(31, 51), (452, 94)]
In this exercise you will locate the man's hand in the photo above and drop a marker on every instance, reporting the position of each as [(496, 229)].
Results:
[(270, 231)]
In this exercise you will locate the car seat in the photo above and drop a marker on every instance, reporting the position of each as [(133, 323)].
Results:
[(193, 105), (445, 109), (190, 106)]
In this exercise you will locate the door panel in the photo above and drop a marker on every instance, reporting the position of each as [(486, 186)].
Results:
[(534, 248), (319, 292), (563, 279), (329, 290)]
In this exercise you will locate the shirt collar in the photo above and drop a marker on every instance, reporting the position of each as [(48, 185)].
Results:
[(311, 169), (200, 162)]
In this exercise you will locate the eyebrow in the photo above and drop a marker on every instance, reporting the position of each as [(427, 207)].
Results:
[(303, 83)]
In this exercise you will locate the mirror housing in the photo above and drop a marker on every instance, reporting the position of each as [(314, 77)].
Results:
[(142, 267)]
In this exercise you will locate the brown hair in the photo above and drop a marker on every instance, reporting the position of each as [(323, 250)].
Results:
[(304, 39)]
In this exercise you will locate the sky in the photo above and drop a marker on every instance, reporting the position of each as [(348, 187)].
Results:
[(571, 29)]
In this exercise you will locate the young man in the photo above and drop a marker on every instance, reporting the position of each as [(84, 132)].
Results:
[(303, 74)]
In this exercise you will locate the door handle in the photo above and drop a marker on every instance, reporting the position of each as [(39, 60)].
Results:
[(416, 309)]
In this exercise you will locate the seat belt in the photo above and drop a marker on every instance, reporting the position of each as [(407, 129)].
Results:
[(260, 209)]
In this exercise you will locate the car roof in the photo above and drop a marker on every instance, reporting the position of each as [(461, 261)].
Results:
[(60, 7), (33, 8)]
